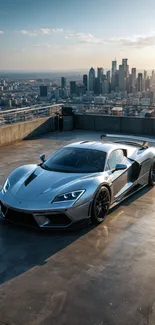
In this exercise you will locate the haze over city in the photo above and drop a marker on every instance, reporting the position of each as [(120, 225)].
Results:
[(64, 35)]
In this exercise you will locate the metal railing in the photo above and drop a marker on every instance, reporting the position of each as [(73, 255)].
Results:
[(25, 114)]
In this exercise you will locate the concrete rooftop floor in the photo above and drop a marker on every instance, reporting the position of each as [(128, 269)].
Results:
[(101, 275)]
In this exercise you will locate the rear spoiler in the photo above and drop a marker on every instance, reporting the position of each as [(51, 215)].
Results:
[(142, 145)]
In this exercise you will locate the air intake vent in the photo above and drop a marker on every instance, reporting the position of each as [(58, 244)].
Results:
[(30, 179)]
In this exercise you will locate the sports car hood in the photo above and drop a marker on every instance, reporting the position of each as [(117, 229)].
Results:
[(40, 183)]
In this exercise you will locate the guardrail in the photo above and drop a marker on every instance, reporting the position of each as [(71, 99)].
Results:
[(25, 114)]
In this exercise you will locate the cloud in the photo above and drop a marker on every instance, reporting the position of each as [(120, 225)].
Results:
[(137, 42), (1, 32), (28, 32), (49, 46), (48, 31), (133, 42), (41, 31), (84, 38)]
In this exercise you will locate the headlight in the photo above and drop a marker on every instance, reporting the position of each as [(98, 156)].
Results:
[(6, 186), (70, 196)]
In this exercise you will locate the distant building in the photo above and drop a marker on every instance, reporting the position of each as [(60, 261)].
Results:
[(105, 87), (122, 81), (91, 79), (114, 67), (80, 90), (117, 111), (99, 100), (145, 74), (147, 84), (97, 89), (140, 82), (133, 80), (43, 91), (63, 82), (85, 82), (73, 88), (100, 72), (145, 101), (113, 77), (108, 75)]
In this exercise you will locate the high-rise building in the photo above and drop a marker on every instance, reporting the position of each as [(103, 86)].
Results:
[(73, 88), (145, 74), (91, 79), (144, 80), (133, 80), (114, 67), (152, 77), (122, 80), (85, 82), (140, 82), (147, 84), (116, 81), (100, 72), (108, 75), (126, 67), (97, 89), (113, 75), (105, 87), (43, 91), (80, 90), (63, 82)]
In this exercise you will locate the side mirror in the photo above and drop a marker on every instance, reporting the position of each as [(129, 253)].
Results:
[(121, 167), (42, 157)]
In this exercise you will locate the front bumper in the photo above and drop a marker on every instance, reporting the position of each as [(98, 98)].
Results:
[(46, 219)]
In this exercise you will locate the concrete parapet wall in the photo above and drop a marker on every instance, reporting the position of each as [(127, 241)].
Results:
[(26, 130), (115, 124)]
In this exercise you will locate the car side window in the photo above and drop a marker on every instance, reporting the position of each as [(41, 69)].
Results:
[(116, 157)]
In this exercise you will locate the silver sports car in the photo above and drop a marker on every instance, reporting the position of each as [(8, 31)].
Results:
[(78, 183)]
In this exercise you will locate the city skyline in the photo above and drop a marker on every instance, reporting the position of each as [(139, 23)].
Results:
[(53, 34)]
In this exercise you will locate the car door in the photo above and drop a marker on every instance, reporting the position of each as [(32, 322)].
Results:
[(119, 178)]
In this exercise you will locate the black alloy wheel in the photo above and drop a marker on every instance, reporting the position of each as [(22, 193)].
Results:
[(152, 173), (100, 206)]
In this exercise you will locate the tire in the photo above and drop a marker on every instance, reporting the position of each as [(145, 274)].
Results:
[(151, 181), (100, 206)]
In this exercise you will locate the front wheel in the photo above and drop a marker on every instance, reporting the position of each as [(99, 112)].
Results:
[(100, 206), (152, 174)]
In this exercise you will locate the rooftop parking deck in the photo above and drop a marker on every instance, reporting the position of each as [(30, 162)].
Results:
[(101, 275)]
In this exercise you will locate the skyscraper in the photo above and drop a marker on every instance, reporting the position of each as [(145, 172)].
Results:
[(97, 89), (122, 84), (43, 91), (144, 80), (85, 82), (113, 77), (63, 82), (73, 88), (114, 67), (100, 73), (133, 80), (91, 79), (145, 74), (140, 82), (108, 75)]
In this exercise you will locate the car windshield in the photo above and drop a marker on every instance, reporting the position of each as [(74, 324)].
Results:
[(76, 160)]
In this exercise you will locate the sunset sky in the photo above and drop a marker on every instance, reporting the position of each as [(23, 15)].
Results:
[(76, 34)]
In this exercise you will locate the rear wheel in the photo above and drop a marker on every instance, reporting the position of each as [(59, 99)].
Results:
[(152, 174), (100, 206)]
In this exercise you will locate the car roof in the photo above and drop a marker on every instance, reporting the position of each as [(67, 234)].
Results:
[(97, 145)]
